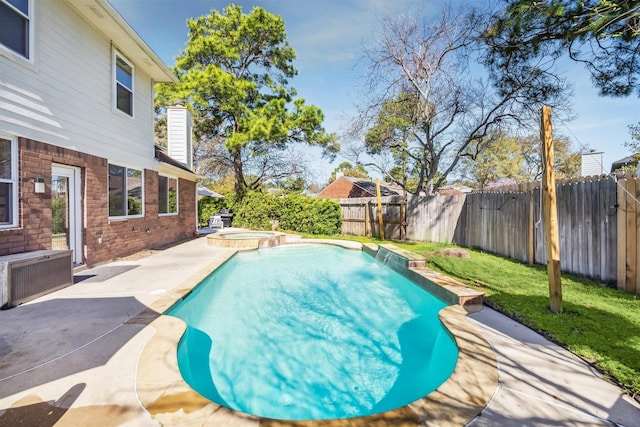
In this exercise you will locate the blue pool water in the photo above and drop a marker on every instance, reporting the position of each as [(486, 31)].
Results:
[(305, 332)]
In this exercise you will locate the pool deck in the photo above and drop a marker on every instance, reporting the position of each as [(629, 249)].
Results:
[(85, 355)]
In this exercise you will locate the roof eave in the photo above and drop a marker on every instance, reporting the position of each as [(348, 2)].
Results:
[(170, 169), (108, 22)]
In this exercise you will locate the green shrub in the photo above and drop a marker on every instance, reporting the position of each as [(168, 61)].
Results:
[(294, 212), (59, 219), (327, 217), (209, 206), (134, 205), (256, 211)]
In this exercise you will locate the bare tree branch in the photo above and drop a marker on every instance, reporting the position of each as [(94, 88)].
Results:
[(425, 109)]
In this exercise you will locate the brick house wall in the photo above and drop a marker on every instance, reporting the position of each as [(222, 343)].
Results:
[(103, 240)]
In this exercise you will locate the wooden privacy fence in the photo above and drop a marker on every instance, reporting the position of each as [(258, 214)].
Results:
[(509, 223), (598, 219), (360, 217)]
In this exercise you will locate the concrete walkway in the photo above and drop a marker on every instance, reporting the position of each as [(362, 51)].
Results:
[(542, 384), (70, 358)]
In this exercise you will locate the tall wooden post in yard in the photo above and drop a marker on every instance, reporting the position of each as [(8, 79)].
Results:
[(550, 212)]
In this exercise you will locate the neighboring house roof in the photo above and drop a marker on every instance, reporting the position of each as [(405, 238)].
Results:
[(108, 21), (369, 186), (171, 166), (454, 189), (626, 161), (349, 187), (449, 191)]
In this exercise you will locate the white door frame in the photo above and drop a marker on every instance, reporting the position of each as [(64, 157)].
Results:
[(75, 208)]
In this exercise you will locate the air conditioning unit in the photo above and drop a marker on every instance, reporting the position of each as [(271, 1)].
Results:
[(28, 275)]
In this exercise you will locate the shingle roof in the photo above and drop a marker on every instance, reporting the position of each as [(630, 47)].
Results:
[(626, 161), (369, 186)]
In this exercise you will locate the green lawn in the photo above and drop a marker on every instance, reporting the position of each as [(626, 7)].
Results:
[(598, 323)]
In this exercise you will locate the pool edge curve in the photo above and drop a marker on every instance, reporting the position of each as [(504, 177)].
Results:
[(170, 400)]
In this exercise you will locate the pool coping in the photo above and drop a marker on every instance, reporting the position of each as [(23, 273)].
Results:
[(246, 244), (170, 400)]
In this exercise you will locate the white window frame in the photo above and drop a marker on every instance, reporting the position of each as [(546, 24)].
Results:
[(6, 51), (169, 177), (117, 55), (126, 191), (15, 220)]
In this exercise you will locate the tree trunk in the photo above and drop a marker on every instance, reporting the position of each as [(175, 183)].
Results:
[(239, 185)]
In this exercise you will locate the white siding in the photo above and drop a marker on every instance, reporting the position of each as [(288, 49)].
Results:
[(66, 97), (179, 135), (592, 164)]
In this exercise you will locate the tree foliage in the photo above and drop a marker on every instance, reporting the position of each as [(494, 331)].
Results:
[(234, 76), (527, 37), (347, 169), (427, 110), (293, 212), (507, 157), (209, 206), (634, 144)]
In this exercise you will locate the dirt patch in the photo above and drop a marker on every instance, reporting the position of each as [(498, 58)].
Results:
[(451, 252)]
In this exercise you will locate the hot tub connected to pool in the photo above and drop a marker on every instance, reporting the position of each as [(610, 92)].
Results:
[(246, 240)]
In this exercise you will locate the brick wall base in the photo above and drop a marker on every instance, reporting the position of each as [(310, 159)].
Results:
[(102, 240)]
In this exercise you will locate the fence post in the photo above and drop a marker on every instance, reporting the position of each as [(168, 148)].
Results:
[(531, 247), (403, 219), (379, 209), (630, 279), (550, 212), (634, 286), (621, 265), (368, 229)]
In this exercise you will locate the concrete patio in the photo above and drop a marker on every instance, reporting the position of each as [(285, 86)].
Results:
[(71, 358)]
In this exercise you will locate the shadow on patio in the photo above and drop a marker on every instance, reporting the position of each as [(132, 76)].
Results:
[(42, 342)]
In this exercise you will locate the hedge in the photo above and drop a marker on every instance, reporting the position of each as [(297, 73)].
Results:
[(294, 212)]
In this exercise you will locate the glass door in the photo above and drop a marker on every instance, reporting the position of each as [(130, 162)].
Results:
[(60, 211), (65, 207)]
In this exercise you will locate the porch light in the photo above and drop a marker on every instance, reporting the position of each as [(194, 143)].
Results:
[(38, 185)]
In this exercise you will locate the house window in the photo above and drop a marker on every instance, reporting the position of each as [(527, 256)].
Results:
[(167, 195), (15, 26), (123, 85), (8, 183), (125, 192)]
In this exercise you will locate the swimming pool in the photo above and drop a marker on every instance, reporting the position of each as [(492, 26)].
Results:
[(312, 332)]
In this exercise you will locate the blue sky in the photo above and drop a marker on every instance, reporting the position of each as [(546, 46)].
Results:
[(328, 36)]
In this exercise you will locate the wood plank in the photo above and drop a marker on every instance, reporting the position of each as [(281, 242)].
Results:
[(630, 229), (367, 221), (586, 260), (577, 227), (609, 240), (635, 286), (599, 222), (622, 234)]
